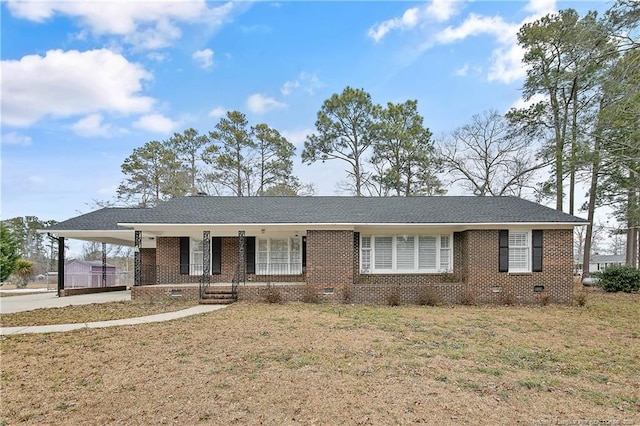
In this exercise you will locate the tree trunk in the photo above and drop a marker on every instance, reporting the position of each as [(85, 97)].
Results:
[(595, 166), (632, 232)]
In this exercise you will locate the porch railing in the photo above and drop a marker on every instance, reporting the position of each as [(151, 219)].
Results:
[(279, 268)]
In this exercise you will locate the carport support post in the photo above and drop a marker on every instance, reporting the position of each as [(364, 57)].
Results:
[(104, 264), (60, 265), (137, 266)]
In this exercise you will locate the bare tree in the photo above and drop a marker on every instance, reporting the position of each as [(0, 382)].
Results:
[(487, 159)]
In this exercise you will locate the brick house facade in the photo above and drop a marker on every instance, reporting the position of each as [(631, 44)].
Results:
[(345, 249)]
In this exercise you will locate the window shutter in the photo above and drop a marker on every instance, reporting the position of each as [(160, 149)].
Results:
[(304, 251), (184, 255), (503, 262), (216, 255), (537, 251), (250, 254)]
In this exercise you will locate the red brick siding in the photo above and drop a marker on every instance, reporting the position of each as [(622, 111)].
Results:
[(556, 276), (330, 263), (333, 263)]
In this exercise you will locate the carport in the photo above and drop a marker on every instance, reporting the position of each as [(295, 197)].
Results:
[(100, 226)]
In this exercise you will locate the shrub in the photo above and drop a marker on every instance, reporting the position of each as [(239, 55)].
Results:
[(468, 297), (393, 299), (310, 296), (581, 298), (507, 298), (620, 278), (545, 299), (273, 295), (429, 296), (346, 294)]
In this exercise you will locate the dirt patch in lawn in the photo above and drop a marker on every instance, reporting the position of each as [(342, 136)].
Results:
[(93, 312), (337, 364)]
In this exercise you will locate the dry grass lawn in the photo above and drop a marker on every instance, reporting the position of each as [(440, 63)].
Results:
[(93, 312), (337, 364)]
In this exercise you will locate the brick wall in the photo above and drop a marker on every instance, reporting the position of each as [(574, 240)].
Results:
[(330, 263), (148, 264), (490, 286), (332, 272)]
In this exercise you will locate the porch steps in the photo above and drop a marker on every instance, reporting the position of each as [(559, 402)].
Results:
[(218, 297)]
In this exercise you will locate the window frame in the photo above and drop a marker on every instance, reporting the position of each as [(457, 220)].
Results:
[(371, 250), (291, 268), (528, 247), (194, 269)]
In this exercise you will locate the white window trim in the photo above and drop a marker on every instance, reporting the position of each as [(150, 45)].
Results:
[(416, 270), (291, 268), (529, 248), (196, 268)]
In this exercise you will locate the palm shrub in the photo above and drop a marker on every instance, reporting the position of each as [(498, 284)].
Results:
[(23, 271), (620, 278)]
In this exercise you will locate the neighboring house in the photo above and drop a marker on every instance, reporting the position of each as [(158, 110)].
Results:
[(600, 262), (358, 249), (85, 273)]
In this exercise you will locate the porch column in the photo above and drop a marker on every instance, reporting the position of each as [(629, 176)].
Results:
[(60, 265), (137, 266), (104, 264), (242, 264), (206, 261)]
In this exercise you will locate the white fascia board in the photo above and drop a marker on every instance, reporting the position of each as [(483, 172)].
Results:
[(353, 225)]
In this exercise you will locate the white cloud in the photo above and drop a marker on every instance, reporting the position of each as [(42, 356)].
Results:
[(297, 137), (218, 112), (476, 25), (288, 86), (204, 58), (92, 126), (506, 58), (436, 10), (259, 104), (308, 82), (462, 71), (156, 123), (521, 103), (145, 24), (13, 138), (68, 83), (441, 10), (156, 56)]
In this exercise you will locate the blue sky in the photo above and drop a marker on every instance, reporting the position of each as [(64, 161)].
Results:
[(84, 83)]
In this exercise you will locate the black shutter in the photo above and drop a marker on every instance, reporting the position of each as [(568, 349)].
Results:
[(537, 251), (503, 262), (216, 255), (304, 251), (184, 255), (250, 254)]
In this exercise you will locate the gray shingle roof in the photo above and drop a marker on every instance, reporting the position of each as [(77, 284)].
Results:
[(351, 210), (105, 219), (326, 210)]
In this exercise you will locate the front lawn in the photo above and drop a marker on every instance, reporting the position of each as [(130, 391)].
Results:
[(337, 364)]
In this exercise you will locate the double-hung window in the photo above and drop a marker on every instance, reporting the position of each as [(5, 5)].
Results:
[(519, 251), (197, 257), (405, 253), (279, 256)]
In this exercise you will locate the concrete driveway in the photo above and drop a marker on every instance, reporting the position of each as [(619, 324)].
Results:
[(30, 302)]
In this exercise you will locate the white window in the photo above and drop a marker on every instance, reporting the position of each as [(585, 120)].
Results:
[(279, 256), (196, 260), (383, 253), (405, 253), (519, 251), (365, 254), (445, 253)]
